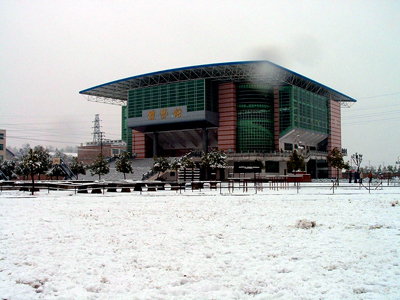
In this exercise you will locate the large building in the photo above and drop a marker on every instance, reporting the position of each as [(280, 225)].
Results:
[(252, 110)]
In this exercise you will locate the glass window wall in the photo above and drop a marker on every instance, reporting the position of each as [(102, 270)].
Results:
[(302, 109), (255, 118), (195, 94)]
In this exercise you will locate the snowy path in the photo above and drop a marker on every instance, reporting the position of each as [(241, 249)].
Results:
[(200, 246)]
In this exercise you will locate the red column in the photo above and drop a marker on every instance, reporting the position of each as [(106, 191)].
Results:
[(138, 144), (227, 117)]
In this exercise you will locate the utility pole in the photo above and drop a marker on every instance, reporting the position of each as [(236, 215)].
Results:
[(101, 142)]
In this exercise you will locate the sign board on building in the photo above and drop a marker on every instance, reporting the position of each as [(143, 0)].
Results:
[(56, 161), (170, 115)]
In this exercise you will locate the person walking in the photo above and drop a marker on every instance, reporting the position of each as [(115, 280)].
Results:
[(370, 176)]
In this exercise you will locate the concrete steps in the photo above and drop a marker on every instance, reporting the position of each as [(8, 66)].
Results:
[(140, 167)]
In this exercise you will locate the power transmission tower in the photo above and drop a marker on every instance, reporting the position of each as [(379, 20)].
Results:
[(97, 137)]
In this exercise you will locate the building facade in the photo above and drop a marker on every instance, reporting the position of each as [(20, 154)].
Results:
[(253, 111), (110, 149)]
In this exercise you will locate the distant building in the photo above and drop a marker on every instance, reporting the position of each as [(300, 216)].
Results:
[(3, 145), (110, 149), (252, 110), (9, 155)]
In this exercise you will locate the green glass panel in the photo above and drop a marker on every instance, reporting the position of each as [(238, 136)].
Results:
[(302, 109), (190, 93), (255, 118)]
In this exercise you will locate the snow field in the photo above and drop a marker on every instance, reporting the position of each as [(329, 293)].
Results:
[(202, 245)]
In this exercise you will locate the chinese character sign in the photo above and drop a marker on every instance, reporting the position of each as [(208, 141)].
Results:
[(152, 115), (164, 113), (178, 112)]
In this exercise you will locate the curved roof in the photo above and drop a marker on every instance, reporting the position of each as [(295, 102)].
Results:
[(116, 92)]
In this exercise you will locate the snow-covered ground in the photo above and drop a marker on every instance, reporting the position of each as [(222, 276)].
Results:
[(201, 245)]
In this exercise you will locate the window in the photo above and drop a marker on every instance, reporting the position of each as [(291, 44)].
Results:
[(288, 146), (1, 136), (1, 147), (272, 167)]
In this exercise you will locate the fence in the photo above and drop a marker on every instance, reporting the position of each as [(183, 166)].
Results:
[(239, 185)]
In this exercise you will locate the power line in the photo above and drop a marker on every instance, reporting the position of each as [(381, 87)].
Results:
[(373, 107), (41, 140), (377, 96), (371, 120), (384, 114)]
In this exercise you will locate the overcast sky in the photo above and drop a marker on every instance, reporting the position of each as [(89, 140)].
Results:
[(51, 50)]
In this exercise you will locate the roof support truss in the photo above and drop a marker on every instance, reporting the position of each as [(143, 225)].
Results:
[(258, 71)]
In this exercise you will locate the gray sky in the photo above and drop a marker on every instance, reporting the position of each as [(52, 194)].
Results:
[(51, 50)]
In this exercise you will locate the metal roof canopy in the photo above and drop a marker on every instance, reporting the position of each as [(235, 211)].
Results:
[(116, 92)]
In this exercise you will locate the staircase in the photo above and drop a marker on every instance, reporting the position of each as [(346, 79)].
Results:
[(67, 171), (3, 176), (140, 167), (189, 174)]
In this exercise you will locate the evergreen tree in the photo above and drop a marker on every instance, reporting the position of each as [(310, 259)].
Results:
[(8, 167), (30, 164), (123, 165), (77, 167), (335, 159), (99, 166), (188, 163), (160, 165), (176, 165), (21, 169), (296, 162), (44, 160), (55, 171), (214, 160)]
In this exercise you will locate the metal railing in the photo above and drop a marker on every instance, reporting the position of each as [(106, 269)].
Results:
[(241, 185)]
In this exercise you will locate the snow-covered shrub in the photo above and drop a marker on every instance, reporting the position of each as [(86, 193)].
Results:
[(305, 224), (160, 165), (123, 165), (214, 160), (99, 166), (187, 161)]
